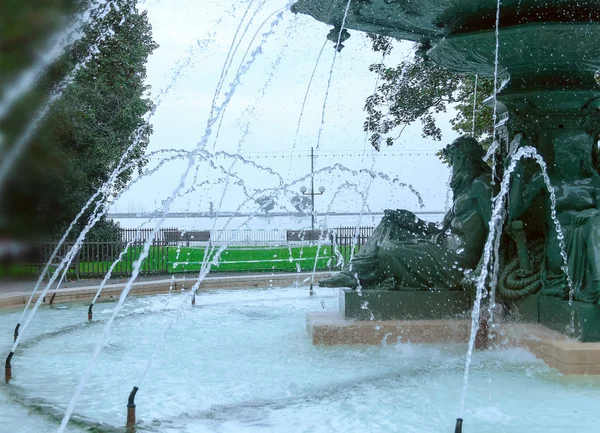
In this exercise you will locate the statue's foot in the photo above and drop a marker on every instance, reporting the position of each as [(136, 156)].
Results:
[(340, 279)]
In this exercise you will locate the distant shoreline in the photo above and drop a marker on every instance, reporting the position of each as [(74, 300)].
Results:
[(120, 215)]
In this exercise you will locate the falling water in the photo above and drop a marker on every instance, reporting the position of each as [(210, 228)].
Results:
[(24, 139), (335, 53), (216, 112), (56, 47), (497, 215), (370, 117), (474, 104), (312, 76), (514, 146), (218, 131), (496, 87), (105, 188), (100, 209), (448, 201)]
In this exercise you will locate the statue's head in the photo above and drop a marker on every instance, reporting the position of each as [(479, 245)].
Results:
[(465, 156), (573, 152), (464, 147)]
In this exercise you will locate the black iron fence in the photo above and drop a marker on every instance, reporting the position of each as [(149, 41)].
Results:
[(346, 237), (95, 259)]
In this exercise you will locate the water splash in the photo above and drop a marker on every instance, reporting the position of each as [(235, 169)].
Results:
[(21, 143), (494, 115), (215, 113), (312, 76), (52, 52), (494, 224), (331, 76), (474, 104)]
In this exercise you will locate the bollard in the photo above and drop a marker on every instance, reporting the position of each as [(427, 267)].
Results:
[(458, 428), (8, 368), (131, 407), (90, 313), (17, 331)]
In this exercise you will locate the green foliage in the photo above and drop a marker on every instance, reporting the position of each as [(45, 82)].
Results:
[(83, 137), (418, 89)]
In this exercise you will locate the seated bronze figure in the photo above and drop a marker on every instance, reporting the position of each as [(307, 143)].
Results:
[(576, 186), (406, 253)]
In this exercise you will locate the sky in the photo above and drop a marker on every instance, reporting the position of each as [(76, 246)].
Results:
[(260, 120)]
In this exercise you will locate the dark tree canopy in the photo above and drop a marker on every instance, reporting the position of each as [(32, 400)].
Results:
[(87, 130), (418, 89)]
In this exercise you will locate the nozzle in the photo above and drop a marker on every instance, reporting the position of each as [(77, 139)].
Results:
[(458, 428), (131, 407), (194, 298), (8, 368), (311, 291), (90, 312), (17, 331)]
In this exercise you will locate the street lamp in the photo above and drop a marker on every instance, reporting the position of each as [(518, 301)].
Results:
[(312, 194)]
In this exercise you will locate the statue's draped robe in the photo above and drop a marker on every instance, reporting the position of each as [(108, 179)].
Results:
[(581, 243), (406, 254)]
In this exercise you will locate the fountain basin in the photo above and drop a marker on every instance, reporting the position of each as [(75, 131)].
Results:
[(240, 361)]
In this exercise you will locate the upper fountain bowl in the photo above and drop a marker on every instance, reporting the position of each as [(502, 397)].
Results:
[(543, 37)]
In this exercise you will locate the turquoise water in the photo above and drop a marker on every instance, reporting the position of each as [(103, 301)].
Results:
[(240, 361)]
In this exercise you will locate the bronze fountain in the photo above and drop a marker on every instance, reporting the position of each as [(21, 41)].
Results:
[(545, 55)]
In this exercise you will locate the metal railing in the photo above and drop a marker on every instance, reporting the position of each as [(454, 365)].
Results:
[(94, 259)]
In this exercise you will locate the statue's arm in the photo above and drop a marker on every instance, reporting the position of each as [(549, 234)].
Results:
[(521, 197), (483, 196)]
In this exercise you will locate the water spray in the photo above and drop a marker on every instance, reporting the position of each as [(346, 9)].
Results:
[(131, 407), (8, 368)]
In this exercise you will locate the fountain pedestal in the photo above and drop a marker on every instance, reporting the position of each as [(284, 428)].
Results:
[(578, 320), (404, 304)]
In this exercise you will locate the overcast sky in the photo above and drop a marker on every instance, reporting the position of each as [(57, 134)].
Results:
[(262, 117)]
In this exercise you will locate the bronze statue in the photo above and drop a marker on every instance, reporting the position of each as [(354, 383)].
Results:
[(406, 253), (577, 189)]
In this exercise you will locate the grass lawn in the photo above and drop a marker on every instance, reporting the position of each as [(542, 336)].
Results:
[(233, 259)]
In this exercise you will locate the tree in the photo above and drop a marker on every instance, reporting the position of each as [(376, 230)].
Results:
[(418, 89), (87, 130)]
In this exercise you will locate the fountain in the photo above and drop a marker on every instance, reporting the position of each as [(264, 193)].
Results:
[(546, 266), (532, 249)]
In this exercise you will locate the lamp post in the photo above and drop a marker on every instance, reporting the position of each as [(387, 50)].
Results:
[(312, 192)]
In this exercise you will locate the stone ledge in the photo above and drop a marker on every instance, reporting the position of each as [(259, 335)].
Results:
[(111, 291), (332, 328), (557, 350)]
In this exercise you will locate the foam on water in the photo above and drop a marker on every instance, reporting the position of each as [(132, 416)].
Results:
[(281, 382)]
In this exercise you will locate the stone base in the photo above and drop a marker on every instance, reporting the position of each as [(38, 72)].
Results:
[(578, 320), (332, 329), (558, 351), (404, 305)]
